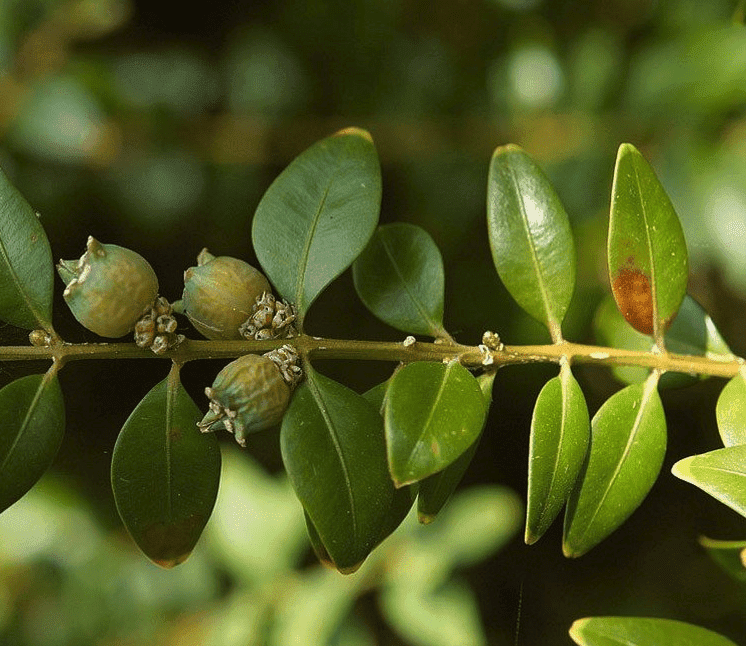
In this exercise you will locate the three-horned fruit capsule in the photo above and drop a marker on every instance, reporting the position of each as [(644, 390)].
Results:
[(109, 288), (248, 395), (219, 294)]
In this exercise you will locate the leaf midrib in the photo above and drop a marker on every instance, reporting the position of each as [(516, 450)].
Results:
[(26, 420)]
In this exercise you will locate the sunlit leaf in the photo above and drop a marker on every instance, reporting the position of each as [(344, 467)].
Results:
[(729, 555), (433, 413), (318, 215), (333, 448), (436, 490), (560, 430), (721, 473), (530, 237), (26, 276), (400, 279), (628, 443), (648, 265), (731, 412), (165, 473), (32, 419), (642, 631)]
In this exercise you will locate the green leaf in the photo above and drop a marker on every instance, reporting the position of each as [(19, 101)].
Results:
[(399, 276), (433, 413), (729, 555), (333, 449), (26, 268), (165, 473), (721, 473), (648, 265), (560, 430), (731, 412), (628, 443), (692, 332), (642, 631), (318, 215), (32, 419), (436, 490), (530, 237)]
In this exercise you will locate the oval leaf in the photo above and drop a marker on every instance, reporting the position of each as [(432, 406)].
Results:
[(32, 419), (433, 413), (333, 449), (26, 268), (165, 473), (628, 443), (648, 265), (560, 430), (530, 237), (721, 473), (436, 490), (642, 631), (318, 215), (399, 276), (731, 412)]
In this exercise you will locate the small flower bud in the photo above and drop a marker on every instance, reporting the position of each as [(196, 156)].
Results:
[(156, 329), (248, 395), (219, 294), (108, 288), (270, 319)]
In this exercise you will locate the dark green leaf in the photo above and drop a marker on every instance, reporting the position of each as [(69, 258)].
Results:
[(400, 279), (32, 419), (530, 237), (642, 631), (729, 555), (318, 215), (721, 473), (436, 490), (333, 449), (628, 443), (692, 332), (165, 473), (560, 431), (26, 268), (731, 412), (318, 547), (433, 413), (648, 265)]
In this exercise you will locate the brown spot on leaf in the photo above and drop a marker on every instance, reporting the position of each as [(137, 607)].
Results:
[(634, 297)]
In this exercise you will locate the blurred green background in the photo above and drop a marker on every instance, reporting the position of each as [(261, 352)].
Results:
[(159, 127)]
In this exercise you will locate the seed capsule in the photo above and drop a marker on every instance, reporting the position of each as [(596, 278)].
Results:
[(248, 395), (219, 294), (109, 288)]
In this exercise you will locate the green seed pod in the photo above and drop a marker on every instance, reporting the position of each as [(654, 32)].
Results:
[(219, 294), (109, 288), (248, 395)]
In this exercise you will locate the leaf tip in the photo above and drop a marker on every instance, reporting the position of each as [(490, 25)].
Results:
[(506, 149), (575, 630), (169, 563), (425, 518), (356, 132), (350, 569), (681, 469)]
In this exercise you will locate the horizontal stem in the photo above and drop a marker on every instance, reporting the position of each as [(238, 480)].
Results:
[(407, 351)]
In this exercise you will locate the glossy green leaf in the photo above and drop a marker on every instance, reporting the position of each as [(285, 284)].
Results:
[(628, 443), (642, 631), (318, 215), (433, 413), (530, 237), (436, 490), (560, 430), (647, 256), (692, 332), (26, 268), (729, 555), (731, 412), (32, 419), (399, 276), (333, 448), (721, 473), (165, 473)]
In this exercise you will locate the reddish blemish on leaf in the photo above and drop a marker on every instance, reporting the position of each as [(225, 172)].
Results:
[(634, 298)]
